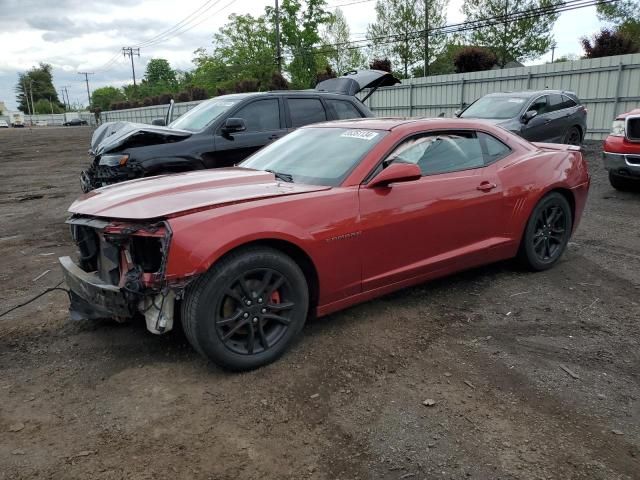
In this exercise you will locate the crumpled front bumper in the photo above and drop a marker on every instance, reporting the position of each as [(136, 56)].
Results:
[(622, 164), (91, 297)]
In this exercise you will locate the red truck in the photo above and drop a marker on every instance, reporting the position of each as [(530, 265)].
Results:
[(621, 151)]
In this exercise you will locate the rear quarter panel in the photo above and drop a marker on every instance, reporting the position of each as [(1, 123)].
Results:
[(534, 174)]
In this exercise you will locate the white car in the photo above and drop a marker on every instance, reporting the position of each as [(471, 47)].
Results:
[(4, 124)]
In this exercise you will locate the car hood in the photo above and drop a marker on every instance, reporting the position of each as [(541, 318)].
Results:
[(170, 195), (111, 136)]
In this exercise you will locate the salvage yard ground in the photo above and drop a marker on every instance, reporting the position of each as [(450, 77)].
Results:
[(490, 374)]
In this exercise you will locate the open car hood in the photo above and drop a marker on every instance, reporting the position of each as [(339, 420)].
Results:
[(170, 195), (357, 80), (111, 136)]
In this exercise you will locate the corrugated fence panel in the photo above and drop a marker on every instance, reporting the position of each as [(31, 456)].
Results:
[(607, 86)]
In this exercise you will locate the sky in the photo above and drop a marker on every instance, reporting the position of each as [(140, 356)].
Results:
[(88, 35)]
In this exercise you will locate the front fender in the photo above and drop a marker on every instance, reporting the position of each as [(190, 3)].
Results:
[(199, 242), (157, 165)]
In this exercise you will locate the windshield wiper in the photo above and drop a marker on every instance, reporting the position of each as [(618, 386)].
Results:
[(285, 177)]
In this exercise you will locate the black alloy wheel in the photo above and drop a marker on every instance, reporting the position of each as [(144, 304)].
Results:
[(247, 309), (255, 311), (547, 233)]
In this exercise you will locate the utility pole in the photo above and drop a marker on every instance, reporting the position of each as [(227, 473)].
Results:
[(26, 96), (553, 50), (31, 94), (129, 51), (278, 53), (67, 103), (426, 38), (86, 79)]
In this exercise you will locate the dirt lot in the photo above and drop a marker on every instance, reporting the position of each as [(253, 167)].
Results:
[(533, 376)]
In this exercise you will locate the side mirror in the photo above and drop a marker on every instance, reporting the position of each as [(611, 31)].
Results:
[(158, 121), (529, 115), (234, 125), (396, 173)]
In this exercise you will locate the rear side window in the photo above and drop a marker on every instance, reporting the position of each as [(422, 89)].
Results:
[(494, 148), (441, 152), (260, 115), (568, 102), (344, 109), (304, 111)]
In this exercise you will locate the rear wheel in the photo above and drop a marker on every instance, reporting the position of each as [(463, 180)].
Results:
[(621, 183), (573, 137), (248, 309), (547, 232)]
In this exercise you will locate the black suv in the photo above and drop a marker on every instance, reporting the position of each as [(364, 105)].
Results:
[(554, 116), (222, 131)]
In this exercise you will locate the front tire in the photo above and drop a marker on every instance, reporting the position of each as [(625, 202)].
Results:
[(621, 183), (547, 232), (247, 309)]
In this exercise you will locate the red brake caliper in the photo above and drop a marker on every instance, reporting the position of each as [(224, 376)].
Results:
[(275, 297)]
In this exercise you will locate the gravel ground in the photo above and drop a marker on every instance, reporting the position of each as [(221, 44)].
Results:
[(524, 376)]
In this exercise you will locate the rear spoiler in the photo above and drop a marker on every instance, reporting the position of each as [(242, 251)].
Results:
[(560, 147)]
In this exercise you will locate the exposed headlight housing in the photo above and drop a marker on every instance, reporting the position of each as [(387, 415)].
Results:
[(617, 129), (113, 160)]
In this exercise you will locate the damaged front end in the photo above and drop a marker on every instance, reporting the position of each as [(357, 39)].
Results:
[(120, 272)]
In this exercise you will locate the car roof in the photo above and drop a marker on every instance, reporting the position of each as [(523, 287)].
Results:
[(530, 93), (392, 123), (289, 93)]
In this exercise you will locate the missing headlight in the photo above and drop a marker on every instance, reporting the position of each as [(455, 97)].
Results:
[(147, 252)]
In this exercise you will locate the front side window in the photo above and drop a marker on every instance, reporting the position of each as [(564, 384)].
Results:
[(539, 105), (316, 156), (440, 152), (260, 115), (344, 109), (305, 111)]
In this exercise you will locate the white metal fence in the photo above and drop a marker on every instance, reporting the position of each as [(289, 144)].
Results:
[(51, 120), (607, 86)]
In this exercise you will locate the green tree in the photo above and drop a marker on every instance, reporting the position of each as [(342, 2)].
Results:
[(512, 39), (36, 83), (624, 14), (159, 72), (300, 23), (43, 106), (336, 36), (399, 32), (105, 96)]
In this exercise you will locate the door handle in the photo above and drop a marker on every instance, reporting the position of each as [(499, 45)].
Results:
[(486, 186), (273, 137)]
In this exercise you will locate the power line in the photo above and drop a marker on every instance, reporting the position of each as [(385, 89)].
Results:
[(130, 51), (464, 26)]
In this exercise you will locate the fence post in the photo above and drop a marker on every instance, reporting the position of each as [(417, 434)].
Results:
[(617, 99), (462, 93), (411, 99), (528, 80)]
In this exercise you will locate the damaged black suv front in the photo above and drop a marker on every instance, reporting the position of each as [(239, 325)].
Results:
[(120, 272)]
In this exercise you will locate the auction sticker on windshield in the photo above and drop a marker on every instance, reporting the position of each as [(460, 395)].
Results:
[(361, 134), (516, 100)]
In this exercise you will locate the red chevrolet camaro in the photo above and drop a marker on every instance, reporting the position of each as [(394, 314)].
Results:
[(329, 216)]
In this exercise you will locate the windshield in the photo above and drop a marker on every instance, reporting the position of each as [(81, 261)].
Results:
[(317, 156), (203, 114), (495, 107)]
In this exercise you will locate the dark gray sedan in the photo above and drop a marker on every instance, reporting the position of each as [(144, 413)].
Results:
[(552, 116)]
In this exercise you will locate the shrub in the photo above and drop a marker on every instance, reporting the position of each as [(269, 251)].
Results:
[(383, 64), (608, 42), (474, 59), (278, 82), (183, 97)]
